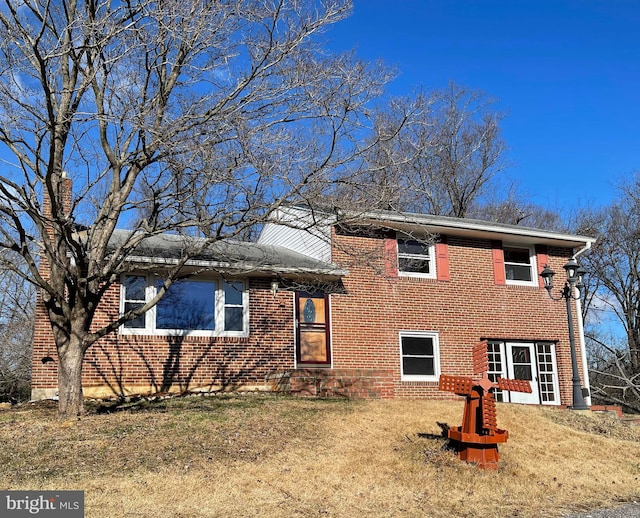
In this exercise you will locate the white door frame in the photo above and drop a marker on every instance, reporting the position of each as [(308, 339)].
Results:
[(523, 397)]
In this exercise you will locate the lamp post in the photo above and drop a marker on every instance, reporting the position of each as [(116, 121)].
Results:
[(575, 274)]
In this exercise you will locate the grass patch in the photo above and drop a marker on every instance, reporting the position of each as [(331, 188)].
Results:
[(269, 456)]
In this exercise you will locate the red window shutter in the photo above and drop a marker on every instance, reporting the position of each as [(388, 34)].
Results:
[(390, 255), (542, 258), (498, 262), (442, 260)]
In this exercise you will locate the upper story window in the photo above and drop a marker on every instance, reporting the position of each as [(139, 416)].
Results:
[(519, 265), (194, 307), (416, 258)]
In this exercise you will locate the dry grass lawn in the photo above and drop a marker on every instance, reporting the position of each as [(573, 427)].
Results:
[(280, 457)]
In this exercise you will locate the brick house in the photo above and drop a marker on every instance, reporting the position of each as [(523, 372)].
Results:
[(377, 308)]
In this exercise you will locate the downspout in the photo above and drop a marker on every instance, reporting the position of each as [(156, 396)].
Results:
[(583, 350)]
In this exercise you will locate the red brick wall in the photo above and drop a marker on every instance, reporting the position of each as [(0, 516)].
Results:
[(133, 364), (367, 319)]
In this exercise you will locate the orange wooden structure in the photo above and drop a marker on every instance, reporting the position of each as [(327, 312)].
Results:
[(479, 435)]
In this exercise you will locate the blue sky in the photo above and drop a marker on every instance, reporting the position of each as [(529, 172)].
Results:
[(566, 72)]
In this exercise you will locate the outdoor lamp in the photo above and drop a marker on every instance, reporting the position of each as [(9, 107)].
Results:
[(572, 269), (580, 276), (575, 274), (547, 276)]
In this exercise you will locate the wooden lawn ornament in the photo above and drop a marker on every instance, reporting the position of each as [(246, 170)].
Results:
[(479, 435)]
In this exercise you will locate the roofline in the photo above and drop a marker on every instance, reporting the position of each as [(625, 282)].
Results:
[(475, 228), (220, 266)]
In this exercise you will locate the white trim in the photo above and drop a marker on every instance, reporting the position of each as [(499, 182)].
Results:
[(431, 258), (436, 356), (532, 398), (533, 265), (219, 314), (554, 365)]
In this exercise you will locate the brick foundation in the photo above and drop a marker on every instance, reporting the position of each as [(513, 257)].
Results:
[(348, 383)]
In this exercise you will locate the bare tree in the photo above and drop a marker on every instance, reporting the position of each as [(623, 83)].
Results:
[(17, 298), (515, 208), (613, 288), (435, 153), (613, 378), (182, 115)]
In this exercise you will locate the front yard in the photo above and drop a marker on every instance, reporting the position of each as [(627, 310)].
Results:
[(269, 456)]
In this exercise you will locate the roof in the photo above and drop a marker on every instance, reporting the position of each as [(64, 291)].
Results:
[(411, 222), (237, 257)]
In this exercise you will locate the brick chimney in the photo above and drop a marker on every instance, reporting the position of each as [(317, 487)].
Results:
[(65, 188)]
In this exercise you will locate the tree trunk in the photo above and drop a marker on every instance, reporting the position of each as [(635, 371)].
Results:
[(71, 400)]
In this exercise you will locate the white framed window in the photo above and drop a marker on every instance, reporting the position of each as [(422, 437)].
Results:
[(496, 367), (195, 307), (419, 356), (520, 265), (416, 258)]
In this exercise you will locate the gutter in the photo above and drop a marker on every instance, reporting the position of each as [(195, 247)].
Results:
[(462, 226), (241, 267), (583, 349)]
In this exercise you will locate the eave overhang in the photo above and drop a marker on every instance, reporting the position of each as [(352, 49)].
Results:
[(240, 268), (418, 223)]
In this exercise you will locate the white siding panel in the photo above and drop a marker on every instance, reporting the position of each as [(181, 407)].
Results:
[(298, 233)]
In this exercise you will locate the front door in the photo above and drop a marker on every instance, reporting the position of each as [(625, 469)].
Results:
[(522, 366), (312, 329)]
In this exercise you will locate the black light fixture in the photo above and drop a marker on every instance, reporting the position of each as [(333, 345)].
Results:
[(580, 277), (572, 269), (547, 276), (575, 274)]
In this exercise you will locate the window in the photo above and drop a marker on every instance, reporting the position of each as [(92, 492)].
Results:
[(419, 356), (233, 306), (519, 265), (135, 289), (187, 305), (496, 370), (416, 258), (548, 380), (196, 307)]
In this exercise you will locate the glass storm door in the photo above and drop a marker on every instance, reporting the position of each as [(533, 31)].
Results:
[(521, 365), (312, 329)]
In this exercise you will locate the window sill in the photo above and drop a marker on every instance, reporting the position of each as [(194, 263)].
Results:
[(411, 275), (420, 379), (183, 334), (522, 284)]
